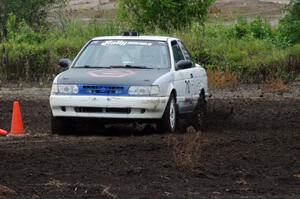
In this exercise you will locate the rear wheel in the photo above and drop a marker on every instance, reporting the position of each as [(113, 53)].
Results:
[(168, 123), (200, 113), (61, 125)]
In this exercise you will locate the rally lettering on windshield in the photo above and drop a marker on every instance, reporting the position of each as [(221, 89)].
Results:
[(124, 43)]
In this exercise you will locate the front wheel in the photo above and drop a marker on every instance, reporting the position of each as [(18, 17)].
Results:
[(168, 123)]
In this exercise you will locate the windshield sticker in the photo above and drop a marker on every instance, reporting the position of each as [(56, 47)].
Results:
[(114, 43), (124, 43), (95, 42), (139, 43), (110, 73)]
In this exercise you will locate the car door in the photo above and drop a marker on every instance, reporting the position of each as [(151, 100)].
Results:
[(182, 81), (195, 81)]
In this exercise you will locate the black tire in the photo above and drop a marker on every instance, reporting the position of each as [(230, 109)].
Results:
[(62, 125), (168, 123), (200, 113)]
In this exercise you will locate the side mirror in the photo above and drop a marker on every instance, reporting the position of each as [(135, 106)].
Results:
[(65, 63), (184, 64)]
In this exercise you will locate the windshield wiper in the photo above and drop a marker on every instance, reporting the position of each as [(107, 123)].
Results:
[(130, 66), (88, 66)]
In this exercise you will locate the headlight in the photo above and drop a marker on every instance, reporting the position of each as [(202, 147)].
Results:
[(143, 90), (67, 89)]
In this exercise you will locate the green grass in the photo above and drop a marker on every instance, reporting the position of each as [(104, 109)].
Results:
[(251, 50)]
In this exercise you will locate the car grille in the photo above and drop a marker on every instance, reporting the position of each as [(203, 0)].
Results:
[(102, 110), (103, 90)]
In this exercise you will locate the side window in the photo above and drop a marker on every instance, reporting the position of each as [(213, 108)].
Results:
[(186, 53), (177, 52)]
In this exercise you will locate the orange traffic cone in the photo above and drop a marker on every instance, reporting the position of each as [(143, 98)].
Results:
[(3, 132), (16, 122)]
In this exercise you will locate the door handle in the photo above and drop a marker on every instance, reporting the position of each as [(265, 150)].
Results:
[(192, 76)]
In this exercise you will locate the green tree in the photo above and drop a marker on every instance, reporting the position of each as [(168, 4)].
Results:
[(33, 12), (164, 14), (289, 26)]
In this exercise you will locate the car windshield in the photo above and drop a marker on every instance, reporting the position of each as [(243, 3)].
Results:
[(124, 53)]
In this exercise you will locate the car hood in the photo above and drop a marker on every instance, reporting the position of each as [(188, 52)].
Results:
[(139, 77)]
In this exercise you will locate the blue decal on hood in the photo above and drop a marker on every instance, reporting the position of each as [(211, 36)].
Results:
[(102, 90)]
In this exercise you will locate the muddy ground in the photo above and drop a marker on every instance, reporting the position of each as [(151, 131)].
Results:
[(250, 149), (229, 10)]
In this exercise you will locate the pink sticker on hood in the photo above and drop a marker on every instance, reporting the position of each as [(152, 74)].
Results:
[(110, 73)]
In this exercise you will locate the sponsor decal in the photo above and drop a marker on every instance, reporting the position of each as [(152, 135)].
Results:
[(110, 73), (124, 43)]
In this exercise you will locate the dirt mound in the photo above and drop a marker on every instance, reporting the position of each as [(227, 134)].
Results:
[(223, 9), (228, 10)]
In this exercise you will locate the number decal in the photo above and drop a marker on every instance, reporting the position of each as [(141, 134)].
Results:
[(187, 87), (188, 98)]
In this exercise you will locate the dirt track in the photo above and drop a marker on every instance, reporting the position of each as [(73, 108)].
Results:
[(226, 10), (251, 149)]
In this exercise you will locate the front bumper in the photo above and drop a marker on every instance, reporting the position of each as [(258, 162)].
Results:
[(108, 107)]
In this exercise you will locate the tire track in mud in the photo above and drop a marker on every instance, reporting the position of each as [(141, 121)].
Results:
[(251, 148)]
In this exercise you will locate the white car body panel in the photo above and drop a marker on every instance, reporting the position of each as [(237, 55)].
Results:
[(153, 107), (187, 84)]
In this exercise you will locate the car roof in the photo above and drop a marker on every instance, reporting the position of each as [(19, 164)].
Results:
[(143, 38)]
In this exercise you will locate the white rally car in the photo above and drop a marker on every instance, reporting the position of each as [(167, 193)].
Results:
[(130, 77)]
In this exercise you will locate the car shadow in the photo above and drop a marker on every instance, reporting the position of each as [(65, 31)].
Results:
[(120, 130)]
